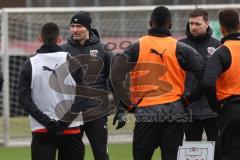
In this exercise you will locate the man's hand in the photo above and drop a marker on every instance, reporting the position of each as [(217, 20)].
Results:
[(185, 102), (132, 109), (56, 127), (121, 118), (218, 107)]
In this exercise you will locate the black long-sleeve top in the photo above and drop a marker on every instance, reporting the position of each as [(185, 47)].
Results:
[(218, 63), (188, 59)]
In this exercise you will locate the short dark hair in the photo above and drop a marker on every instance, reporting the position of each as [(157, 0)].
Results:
[(49, 32), (199, 12), (161, 15), (229, 18)]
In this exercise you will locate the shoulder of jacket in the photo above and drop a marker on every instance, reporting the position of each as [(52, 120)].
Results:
[(184, 39), (67, 45), (217, 41)]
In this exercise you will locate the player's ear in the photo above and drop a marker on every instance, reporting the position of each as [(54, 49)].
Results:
[(40, 39), (59, 40), (223, 30), (150, 23), (170, 25), (207, 22)]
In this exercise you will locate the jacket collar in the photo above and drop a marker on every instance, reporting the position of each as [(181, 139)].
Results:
[(49, 48), (159, 32), (233, 36)]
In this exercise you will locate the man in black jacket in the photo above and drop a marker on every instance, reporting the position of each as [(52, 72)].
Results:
[(158, 63), (85, 45), (199, 36), (222, 84)]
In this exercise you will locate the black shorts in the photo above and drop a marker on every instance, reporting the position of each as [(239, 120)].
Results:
[(229, 131), (152, 135), (148, 136), (45, 146)]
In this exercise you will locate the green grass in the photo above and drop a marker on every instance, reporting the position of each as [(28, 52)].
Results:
[(19, 127), (116, 152)]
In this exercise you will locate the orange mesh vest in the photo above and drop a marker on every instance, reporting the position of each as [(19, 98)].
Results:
[(157, 77), (229, 82)]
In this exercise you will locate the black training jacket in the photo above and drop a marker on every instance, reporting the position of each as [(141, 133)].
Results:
[(95, 64), (204, 45)]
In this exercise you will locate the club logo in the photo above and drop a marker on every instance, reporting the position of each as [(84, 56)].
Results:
[(46, 68), (210, 50), (157, 53), (93, 53)]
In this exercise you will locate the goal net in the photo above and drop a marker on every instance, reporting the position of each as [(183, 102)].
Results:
[(116, 25)]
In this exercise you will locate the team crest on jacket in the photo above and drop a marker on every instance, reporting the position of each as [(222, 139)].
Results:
[(210, 50), (94, 53)]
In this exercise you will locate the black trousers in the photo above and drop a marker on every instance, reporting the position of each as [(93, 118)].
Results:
[(148, 136), (194, 130), (229, 137), (97, 134), (45, 146)]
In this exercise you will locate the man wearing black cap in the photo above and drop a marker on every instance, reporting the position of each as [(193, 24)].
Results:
[(85, 44), (157, 86)]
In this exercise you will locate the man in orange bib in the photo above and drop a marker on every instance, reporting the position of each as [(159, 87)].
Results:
[(158, 65), (222, 84)]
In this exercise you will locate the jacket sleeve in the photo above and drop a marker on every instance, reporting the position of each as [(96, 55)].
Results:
[(107, 63), (24, 95), (1, 80), (121, 66), (75, 69), (218, 63), (191, 61)]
